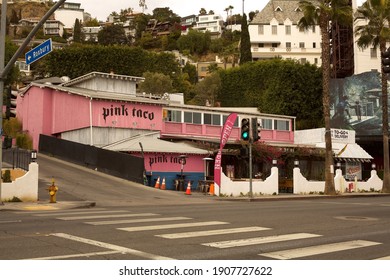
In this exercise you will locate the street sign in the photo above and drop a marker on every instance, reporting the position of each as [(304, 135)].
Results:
[(38, 52)]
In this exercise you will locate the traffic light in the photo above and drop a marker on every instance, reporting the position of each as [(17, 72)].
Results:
[(245, 129), (10, 103), (386, 61), (256, 129)]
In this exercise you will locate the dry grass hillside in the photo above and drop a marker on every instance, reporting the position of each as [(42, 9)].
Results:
[(26, 10)]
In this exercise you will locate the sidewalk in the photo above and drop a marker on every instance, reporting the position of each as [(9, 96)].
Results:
[(60, 205)]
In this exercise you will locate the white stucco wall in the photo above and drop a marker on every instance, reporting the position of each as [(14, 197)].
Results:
[(25, 188), (238, 188)]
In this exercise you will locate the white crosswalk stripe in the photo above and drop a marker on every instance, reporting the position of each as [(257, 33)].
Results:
[(260, 240), (105, 216), (320, 249), (170, 226), (211, 232), (80, 212), (115, 222)]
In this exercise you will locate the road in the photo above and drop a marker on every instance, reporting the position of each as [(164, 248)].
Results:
[(133, 222)]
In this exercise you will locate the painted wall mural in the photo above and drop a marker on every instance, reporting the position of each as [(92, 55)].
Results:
[(356, 103)]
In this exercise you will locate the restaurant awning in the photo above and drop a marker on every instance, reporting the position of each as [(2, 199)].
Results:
[(348, 152)]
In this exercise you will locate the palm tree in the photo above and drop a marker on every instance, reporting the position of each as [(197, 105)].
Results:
[(324, 13), (377, 33), (143, 5)]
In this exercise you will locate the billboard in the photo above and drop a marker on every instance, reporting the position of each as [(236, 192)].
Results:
[(356, 103)]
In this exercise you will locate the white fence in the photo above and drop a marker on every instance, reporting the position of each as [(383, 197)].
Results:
[(301, 185), (25, 188)]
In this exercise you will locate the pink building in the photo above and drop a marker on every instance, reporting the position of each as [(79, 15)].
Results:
[(104, 110)]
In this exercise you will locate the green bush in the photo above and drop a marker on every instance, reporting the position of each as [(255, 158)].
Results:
[(7, 176)]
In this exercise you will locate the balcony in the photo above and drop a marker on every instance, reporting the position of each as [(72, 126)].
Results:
[(213, 132)]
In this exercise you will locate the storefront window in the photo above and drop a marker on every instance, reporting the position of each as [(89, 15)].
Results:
[(172, 116), (266, 124), (192, 117), (212, 119), (282, 125)]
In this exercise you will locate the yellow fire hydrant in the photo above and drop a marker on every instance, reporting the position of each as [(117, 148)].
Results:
[(52, 192)]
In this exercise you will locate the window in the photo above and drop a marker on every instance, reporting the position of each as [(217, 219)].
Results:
[(266, 124), (303, 60), (260, 30), (316, 60), (213, 119), (261, 45), (373, 53), (302, 45), (274, 29), (301, 29), (192, 117), (288, 44), (274, 45), (314, 29), (282, 125), (172, 116), (288, 29), (314, 45), (235, 123)]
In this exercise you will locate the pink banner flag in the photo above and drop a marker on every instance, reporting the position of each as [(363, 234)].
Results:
[(226, 131)]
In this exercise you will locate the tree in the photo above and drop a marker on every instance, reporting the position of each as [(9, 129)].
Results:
[(142, 4), (245, 45), (207, 90), (324, 13), (202, 11), (156, 83), (376, 33), (112, 35), (77, 34)]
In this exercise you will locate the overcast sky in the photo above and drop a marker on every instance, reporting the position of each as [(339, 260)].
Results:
[(100, 9)]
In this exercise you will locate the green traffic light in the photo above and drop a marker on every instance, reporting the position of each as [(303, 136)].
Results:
[(245, 135)]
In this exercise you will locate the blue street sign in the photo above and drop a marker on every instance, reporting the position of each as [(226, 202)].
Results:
[(38, 52)]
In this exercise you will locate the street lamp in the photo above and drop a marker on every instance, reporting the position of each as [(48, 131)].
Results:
[(373, 166), (34, 155), (296, 163), (274, 162), (338, 165)]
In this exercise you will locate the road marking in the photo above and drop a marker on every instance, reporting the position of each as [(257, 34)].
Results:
[(77, 255), (105, 216), (113, 247), (80, 212), (384, 258), (157, 227), (137, 221), (13, 221), (211, 232), (259, 240), (317, 250)]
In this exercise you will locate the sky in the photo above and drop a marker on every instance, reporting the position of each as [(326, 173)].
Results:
[(100, 9)]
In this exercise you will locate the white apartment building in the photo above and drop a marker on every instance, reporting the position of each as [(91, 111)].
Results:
[(274, 33), (53, 28), (368, 59), (68, 13), (212, 23)]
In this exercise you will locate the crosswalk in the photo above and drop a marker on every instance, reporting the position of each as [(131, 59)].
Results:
[(152, 223)]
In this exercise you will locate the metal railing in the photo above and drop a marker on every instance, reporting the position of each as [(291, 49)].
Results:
[(17, 158)]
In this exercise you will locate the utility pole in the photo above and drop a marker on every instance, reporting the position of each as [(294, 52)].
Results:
[(4, 70), (3, 26)]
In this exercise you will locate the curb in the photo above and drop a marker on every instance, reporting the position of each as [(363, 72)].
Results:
[(45, 206)]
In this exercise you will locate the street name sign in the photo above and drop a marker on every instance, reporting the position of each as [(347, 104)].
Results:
[(39, 51)]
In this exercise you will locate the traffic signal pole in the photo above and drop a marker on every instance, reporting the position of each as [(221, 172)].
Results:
[(250, 168), (4, 70)]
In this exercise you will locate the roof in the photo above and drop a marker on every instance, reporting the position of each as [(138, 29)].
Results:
[(152, 144), (279, 10), (349, 151), (104, 75)]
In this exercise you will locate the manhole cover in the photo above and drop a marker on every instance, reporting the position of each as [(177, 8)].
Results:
[(356, 218)]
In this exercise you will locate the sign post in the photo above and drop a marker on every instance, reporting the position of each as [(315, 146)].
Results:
[(39, 51)]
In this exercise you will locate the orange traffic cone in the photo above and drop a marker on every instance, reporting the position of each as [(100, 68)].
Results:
[(163, 184), (157, 185), (188, 190)]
